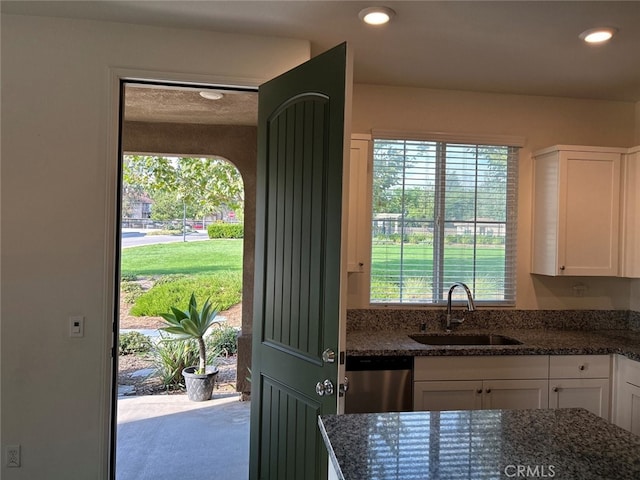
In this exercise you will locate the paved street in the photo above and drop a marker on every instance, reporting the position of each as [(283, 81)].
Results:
[(132, 237)]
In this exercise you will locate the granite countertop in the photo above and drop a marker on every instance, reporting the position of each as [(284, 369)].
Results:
[(535, 342), (480, 444)]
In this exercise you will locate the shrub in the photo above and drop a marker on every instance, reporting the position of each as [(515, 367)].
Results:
[(166, 279), (130, 290), (420, 238), (223, 340), (134, 342), (224, 289), (226, 230), (172, 356)]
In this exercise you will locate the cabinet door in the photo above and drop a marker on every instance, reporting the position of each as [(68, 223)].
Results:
[(447, 395), (576, 211), (359, 213), (589, 393), (590, 204), (628, 407), (630, 227), (515, 394)]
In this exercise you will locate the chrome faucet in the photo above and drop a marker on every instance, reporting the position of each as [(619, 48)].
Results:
[(471, 306)]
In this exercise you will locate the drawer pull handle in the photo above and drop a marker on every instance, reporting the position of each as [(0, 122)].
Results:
[(555, 389), (581, 367), (488, 390), (479, 391)]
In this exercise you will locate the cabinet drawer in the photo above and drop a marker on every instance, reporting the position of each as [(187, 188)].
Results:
[(579, 366), (497, 367)]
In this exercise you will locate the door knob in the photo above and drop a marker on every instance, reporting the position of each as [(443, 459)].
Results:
[(329, 356), (343, 388), (324, 388)]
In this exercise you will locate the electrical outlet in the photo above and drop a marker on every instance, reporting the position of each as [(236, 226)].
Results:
[(13, 456)]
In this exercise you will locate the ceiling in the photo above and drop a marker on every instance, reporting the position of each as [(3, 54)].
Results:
[(186, 105), (516, 47)]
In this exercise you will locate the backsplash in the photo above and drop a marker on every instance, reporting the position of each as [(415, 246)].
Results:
[(634, 320), (411, 320)]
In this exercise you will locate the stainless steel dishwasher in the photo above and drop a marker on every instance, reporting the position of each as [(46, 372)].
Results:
[(379, 384)]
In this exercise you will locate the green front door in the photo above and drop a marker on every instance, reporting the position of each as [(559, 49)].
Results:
[(298, 267)]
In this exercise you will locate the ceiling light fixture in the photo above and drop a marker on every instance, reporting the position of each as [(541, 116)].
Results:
[(595, 36), (376, 15), (211, 95)]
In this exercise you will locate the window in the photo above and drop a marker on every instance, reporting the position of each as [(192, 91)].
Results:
[(443, 212)]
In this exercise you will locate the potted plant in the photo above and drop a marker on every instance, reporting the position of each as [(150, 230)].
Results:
[(193, 324)]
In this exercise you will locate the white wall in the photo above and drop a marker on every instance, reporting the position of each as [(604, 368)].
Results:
[(543, 121), (58, 216)]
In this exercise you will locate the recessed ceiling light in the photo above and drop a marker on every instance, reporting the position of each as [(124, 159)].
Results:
[(376, 15), (211, 95), (597, 35)]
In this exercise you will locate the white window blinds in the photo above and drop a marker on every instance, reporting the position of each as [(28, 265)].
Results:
[(443, 212)]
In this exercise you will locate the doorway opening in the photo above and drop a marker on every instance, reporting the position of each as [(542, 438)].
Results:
[(171, 136)]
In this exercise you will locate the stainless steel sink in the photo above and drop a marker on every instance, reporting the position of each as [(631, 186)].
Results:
[(460, 339)]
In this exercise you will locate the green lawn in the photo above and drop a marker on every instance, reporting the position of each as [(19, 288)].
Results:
[(209, 268), (186, 258), (414, 263)]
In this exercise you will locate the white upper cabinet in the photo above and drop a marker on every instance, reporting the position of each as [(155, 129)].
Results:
[(576, 210), (630, 218), (359, 205)]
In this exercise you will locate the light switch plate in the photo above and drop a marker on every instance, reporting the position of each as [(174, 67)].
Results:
[(76, 326)]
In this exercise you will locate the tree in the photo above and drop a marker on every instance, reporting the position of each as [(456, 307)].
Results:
[(203, 184), (167, 207), (131, 195)]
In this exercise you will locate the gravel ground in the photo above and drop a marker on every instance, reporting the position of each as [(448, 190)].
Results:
[(128, 365)]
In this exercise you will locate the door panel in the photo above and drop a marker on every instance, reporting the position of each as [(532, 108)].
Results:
[(448, 395), (291, 447), (294, 256), (298, 306), (515, 394), (589, 393)]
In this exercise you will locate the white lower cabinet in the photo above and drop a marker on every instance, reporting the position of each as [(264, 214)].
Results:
[(448, 395), (332, 473), (472, 383), (627, 403), (519, 382), (480, 394), (591, 394), (515, 394), (580, 381)]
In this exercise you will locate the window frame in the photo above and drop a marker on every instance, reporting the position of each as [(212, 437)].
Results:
[(514, 144)]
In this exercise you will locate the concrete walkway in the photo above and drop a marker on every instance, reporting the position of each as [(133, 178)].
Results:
[(169, 437)]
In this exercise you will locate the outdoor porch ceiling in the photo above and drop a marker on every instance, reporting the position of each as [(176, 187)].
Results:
[(158, 104)]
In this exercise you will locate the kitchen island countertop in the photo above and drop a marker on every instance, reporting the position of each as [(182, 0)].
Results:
[(480, 444)]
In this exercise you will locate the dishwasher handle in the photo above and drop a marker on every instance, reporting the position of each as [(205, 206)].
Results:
[(379, 362)]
